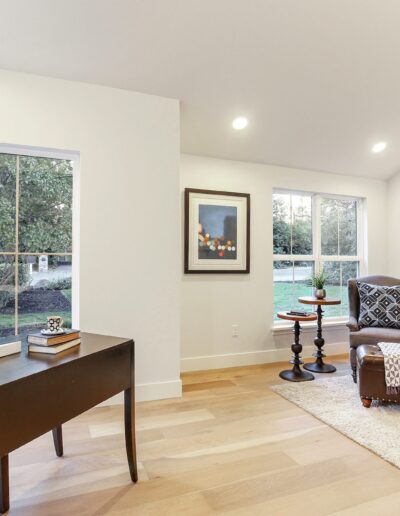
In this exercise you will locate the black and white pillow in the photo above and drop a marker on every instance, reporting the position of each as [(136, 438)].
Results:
[(379, 306)]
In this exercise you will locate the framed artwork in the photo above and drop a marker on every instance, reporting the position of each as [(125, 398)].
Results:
[(217, 232)]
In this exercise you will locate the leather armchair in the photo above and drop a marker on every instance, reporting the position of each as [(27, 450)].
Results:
[(359, 335)]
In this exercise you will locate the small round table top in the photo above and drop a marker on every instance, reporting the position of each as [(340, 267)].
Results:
[(288, 317), (311, 300)]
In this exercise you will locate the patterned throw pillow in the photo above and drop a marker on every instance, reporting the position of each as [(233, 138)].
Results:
[(379, 306)]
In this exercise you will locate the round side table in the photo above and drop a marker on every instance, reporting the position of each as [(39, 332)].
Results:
[(296, 374), (319, 365)]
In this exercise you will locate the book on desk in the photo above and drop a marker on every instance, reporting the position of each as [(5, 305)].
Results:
[(53, 350), (53, 344)]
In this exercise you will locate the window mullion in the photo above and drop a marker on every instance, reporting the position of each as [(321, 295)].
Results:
[(316, 229), (361, 237), (338, 228), (291, 225), (294, 257), (16, 256), (343, 258)]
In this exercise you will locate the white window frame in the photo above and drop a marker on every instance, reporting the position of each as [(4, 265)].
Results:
[(317, 258), (73, 156)]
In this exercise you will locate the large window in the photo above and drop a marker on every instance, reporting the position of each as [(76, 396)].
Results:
[(35, 241), (311, 232)]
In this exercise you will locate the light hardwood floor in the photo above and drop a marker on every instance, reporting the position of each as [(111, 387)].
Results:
[(230, 446)]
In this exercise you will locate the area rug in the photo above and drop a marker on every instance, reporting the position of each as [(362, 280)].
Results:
[(336, 402)]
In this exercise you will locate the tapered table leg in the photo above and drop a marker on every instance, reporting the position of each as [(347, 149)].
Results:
[(319, 365), (130, 430), (130, 439), (58, 441), (4, 485)]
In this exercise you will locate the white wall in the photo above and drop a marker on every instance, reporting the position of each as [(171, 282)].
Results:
[(129, 236), (393, 218), (211, 304)]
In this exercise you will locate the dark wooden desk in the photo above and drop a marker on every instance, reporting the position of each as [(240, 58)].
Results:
[(39, 393)]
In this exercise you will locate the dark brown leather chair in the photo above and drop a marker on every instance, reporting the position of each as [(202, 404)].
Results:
[(366, 335), (371, 376)]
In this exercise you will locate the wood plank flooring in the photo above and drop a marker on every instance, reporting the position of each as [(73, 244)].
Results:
[(230, 446)]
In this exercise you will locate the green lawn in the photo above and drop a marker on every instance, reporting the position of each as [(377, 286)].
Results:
[(29, 319), (287, 293)]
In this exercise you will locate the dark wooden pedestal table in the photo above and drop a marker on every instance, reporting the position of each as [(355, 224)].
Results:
[(39, 393), (319, 365), (296, 374)]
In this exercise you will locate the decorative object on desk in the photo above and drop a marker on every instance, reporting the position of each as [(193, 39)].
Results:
[(49, 332), (10, 345), (320, 293), (54, 324), (299, 312), (53, 350), (296, 374), (53, 344), (318, 280), (217, 232), (51, 340), (319, 366)]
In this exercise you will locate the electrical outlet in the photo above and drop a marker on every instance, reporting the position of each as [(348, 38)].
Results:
[(235, 330)]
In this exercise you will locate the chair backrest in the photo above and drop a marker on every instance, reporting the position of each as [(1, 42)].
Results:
[(354, 297)]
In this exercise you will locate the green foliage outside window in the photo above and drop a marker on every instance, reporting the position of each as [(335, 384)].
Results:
[(44, 227), (292, 232), (7, 280), (45, 205), (7, 202)]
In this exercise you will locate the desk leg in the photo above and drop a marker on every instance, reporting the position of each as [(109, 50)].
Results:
[(4, 485), (58, 441), (130, 438)]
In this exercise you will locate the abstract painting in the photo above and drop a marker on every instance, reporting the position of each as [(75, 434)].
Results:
[(217, 231)]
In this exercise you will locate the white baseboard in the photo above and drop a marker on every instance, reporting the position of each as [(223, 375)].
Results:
[(159, 391), (254, 357), (149, 392), (173, 389)]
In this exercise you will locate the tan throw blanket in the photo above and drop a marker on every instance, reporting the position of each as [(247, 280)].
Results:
[(391, 355)]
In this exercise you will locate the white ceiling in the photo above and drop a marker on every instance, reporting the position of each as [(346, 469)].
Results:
[(319, 80)]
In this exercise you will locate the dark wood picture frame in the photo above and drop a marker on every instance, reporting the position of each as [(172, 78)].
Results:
[(187, 270)]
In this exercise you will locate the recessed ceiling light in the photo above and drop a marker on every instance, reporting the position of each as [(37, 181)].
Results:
[(379, 147), (240, 123)]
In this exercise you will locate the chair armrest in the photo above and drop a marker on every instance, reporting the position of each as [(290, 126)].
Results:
[(353, 324)]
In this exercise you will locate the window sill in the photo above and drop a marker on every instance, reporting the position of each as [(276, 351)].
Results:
[(331, 323)]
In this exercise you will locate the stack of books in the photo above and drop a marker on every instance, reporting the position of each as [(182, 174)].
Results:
[(53, 344)]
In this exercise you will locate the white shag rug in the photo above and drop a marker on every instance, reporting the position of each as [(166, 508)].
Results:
[(336, 402)]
